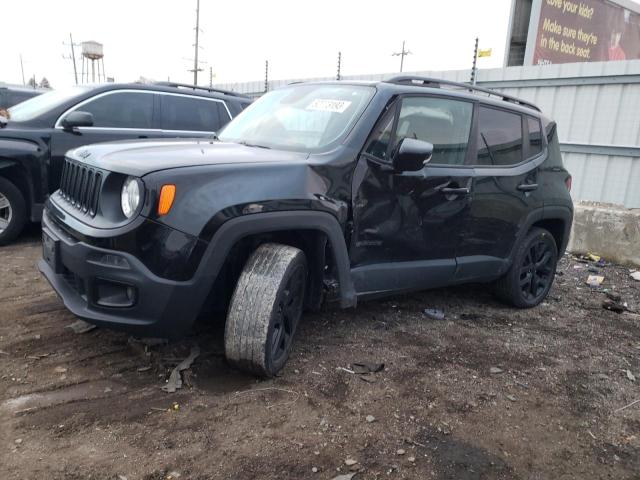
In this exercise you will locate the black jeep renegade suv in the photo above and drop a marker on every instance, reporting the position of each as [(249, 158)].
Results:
[(316, 191)]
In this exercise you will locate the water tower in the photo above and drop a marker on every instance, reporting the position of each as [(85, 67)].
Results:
[(92, 52)]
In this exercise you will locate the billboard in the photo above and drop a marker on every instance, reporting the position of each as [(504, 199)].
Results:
[(585, 31)]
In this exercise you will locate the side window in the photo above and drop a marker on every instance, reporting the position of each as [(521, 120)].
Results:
[(190, 113), (535, 136), (223, 114), (499, 137), (121, 110), (443, 122)]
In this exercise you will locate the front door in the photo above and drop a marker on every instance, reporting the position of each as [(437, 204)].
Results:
[(407, 224), (117, 115)]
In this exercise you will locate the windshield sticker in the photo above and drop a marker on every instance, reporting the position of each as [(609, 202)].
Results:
[(325, 105)]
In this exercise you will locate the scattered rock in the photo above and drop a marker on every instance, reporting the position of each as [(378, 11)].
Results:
[(370, 418), (60, 369), (400, 451), (412, 459), (80, 326), (18, 441), (630, 375), (350, 462), (366, 367), (346, 476), (511, 398), (495, 370), (314, 469), (144, 369), (434, 313), (613, 296), (636, 275)]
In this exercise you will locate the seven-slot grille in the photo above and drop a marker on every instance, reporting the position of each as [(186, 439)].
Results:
[(80, 186)]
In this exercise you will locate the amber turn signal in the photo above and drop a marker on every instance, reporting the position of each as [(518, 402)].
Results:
[(167, 195)]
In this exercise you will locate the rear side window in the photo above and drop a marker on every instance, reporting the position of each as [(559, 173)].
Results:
[(499, 137), (443, 122), (535, 136), (192, 113), (121, 110)]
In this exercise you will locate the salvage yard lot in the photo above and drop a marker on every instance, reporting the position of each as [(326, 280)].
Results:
[(487, 393)]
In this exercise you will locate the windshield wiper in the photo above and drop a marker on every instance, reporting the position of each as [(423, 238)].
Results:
[(246, 144)]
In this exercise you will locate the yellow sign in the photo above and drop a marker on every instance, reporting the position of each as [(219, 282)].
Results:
[(484, 53)]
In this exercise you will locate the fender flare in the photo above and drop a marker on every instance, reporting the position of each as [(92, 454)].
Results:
[(237, 228)]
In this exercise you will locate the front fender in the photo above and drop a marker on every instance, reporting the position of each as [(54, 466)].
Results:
[(235, 229), (25, 159)]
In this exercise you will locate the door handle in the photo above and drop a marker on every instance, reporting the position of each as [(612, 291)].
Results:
[(456, 190), (143, 136), (527, 187)]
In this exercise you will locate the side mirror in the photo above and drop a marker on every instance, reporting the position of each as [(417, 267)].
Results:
[(411, 155), (77, 119)]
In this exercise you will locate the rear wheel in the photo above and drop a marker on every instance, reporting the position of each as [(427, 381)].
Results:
[(265, 309), (531, 275), (13, 211)]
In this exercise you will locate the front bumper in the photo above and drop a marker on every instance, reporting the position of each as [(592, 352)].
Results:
[(160, 307)]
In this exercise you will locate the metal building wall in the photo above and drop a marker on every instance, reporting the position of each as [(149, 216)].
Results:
[(596, 106)]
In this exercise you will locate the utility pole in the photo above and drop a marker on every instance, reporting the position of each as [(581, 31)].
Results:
[(196, 45), (22, 69), (266, 76), (210, 77), (338, 76), (73, 57), (475, 59), (401, 54)]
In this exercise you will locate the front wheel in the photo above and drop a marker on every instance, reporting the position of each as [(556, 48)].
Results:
[(13, 211), (531, 275), (265, 309)]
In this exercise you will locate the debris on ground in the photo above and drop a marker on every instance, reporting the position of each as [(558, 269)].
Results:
[(350, 462), (614, 306), (346, 476), (366, 367), (511, 398), (495, 370), (595, 280), (175, 379), (370, 418), (636, 275), (593, 257), (616, 297), (630, 375), (434, 313), (80, 326)]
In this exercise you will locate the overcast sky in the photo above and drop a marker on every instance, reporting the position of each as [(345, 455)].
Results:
[(154, 38)]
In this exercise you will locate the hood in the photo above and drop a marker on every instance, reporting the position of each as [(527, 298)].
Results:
[(140, 157)]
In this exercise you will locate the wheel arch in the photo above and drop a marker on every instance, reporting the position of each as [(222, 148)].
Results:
[(316, 233), (13, 172)]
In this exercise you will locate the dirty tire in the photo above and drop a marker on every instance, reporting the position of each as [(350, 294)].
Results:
[(265, 309), (17, 206), (531, 275)]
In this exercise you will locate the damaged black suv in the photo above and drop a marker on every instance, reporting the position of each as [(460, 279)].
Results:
[(319, 191)]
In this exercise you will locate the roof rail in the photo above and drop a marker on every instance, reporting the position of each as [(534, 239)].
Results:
[(198, 87), (438, 83)]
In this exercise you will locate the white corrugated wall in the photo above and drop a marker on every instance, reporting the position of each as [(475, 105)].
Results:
[(596, 106)]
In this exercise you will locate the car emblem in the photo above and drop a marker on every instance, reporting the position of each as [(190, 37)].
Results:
[(84, 154)]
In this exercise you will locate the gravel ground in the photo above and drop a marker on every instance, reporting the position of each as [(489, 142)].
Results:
[(487, 393)]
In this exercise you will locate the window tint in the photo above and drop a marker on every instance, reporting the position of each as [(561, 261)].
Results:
[(535, 136), (382, 136), (191, 113), (121, 110), (499, 137), (443, 122)]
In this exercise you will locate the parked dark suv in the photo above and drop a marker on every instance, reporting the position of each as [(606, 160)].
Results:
[(317, 191), (39, 131), (11, 95)]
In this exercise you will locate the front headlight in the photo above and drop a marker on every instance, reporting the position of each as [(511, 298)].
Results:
[(130, 197)]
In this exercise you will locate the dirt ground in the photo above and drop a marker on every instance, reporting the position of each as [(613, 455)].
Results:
[(90, 406)]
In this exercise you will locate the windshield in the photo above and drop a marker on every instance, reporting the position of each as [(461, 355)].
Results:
[(36, 106), (300, 117)]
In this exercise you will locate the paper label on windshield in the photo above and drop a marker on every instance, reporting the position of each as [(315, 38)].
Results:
[(326, 105)]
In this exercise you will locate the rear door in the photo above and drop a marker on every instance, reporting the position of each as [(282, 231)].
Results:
[(117, 115), (191, 116), (505, 190)]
